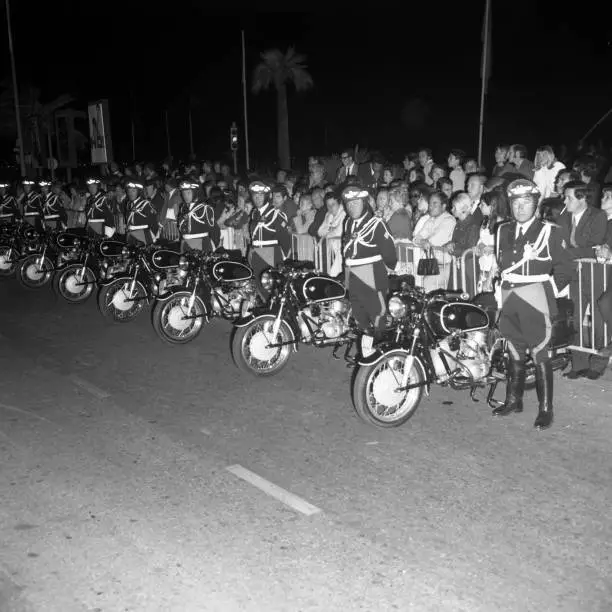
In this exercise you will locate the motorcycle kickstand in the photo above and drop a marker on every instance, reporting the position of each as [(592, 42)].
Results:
[(351, 362)]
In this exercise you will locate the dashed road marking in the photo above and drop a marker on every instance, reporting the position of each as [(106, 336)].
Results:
[(282, 495), (87, 386)]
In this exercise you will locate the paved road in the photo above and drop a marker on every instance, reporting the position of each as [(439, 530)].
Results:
[(116, 494)]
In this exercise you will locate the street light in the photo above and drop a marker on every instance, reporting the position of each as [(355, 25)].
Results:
[(15, 89), (234, 145)]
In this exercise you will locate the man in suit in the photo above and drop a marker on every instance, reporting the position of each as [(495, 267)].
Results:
[(586, 228), (534, 267), (371, 172), (348, 168)]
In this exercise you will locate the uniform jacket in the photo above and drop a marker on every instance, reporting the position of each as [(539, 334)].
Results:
[(9, 211), (53, 209), (590, 232), (553, 260), (141, 215), (197, 220), (268, 227), (98, 210), (368, 240)]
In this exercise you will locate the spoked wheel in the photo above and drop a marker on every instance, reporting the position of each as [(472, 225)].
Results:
[(176, 323), (75, 283), (378, 397), (8, 262), (34, 272), (120, 303), (251, 348)]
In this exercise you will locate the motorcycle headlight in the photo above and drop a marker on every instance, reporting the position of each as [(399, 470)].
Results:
[(267, 280), (397, 307)]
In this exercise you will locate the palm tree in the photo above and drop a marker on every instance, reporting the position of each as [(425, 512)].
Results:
[(279, 69)]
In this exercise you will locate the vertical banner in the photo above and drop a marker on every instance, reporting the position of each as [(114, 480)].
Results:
[(99, 132)]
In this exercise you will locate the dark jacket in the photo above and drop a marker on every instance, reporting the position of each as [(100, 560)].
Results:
[(591, 231)]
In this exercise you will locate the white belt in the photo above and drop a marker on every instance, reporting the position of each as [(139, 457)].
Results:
[(34, 214), (261, 243), (7, 215), (51, 217), (511, 277), (190, 236), (363, 261), (96, 221), (132, 228)]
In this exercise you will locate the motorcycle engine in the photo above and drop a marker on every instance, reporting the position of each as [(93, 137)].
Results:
[(329, 321), (232, 298), (469, 353)]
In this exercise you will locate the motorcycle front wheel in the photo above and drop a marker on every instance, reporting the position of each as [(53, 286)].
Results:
[(376, 393), (74, 284), (251, 350), (174, 322), (8, 262), (120, 303), (34, 271)]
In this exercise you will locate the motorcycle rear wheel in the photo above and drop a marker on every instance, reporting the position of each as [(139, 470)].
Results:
[(116, 304), (32, 273), (374, 394), (169, 320), (251, 353), (8, 263), (69, 284)]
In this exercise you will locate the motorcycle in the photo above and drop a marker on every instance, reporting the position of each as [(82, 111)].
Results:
[(442, 338), (48, 252), (11, 246), (99, 260), (304, 307), (155, 270), (214, 286)]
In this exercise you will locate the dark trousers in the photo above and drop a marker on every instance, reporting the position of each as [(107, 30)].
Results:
[(368, 286), (261, 258), (525, 321)]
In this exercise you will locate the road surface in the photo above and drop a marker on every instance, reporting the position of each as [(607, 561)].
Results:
[(141, 477)]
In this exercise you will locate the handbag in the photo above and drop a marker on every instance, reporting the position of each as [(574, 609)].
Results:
[(428, 266)]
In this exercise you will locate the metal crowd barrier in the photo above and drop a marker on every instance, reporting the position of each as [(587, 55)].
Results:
[(593, 280), (235, 239)]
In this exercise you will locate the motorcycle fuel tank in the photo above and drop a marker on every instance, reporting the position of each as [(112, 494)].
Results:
[(231, 271), (319, 288), (448, 317), (165, 258), (111, 248)]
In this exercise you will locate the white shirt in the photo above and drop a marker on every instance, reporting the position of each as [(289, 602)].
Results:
[(525, 226), (577, 216), (437, 230)]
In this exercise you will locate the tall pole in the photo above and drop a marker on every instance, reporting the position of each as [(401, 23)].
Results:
[(485, 76), (244, 96), (133, 141), (190, 133), (15, 89), (168, 134)]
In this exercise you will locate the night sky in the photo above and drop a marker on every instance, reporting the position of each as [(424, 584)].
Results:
[(388, 79)]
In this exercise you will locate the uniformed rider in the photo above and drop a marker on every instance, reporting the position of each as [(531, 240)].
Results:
[(535, 268), (99, 218), (142, 224), (270, 238), (54, 215), (368, 250), (9, 211), (196, 222), (32, 205)]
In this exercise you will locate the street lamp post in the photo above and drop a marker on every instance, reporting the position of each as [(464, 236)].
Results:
[(15, 90)]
